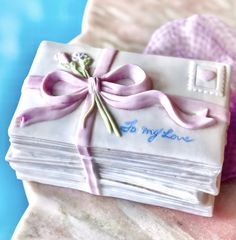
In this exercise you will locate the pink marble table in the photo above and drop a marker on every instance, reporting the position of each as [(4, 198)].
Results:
[(59, 213)]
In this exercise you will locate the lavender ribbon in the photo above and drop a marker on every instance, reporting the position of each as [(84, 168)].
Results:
[(137, 95)]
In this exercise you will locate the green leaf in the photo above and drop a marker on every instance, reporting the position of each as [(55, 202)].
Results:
[(109, 117), (103, 115)]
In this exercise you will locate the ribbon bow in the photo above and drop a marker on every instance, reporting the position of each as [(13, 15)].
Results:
[(100, 90)]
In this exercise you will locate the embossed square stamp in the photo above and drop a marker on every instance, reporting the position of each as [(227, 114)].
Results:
[(207, 78)]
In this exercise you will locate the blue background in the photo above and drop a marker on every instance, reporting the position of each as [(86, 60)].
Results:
[(23, 25)]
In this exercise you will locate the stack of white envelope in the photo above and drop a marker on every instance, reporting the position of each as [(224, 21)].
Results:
[(155, 161)]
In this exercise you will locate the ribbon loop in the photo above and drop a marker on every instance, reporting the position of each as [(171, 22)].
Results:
[(133, 80), (68, 81)]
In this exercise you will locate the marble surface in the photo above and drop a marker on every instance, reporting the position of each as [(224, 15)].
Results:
[(59, 213), (128, 25)]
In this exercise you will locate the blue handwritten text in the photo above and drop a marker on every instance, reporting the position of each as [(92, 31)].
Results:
[(153, 133)]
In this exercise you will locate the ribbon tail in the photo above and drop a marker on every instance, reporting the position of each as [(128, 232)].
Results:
[(83, 142), (197, 120), (32, 82), (88, 166), (45, 113)]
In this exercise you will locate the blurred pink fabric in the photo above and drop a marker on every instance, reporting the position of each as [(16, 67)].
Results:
[(205, 38)]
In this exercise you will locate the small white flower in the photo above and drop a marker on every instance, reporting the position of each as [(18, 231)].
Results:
[(78, 56)]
